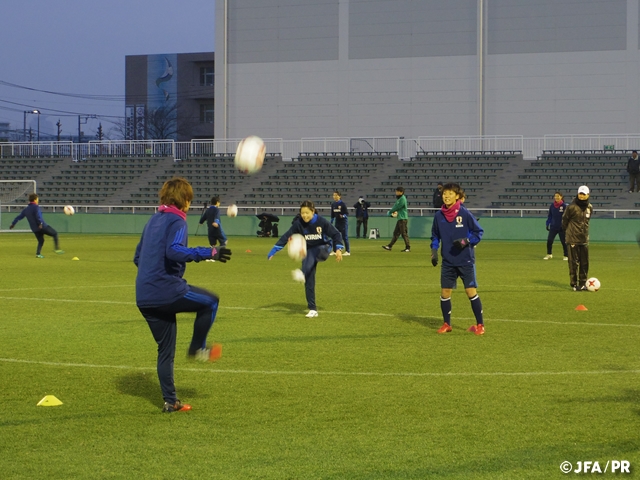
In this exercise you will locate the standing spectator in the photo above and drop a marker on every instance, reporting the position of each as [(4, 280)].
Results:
[(437, 196), (575, 223), (340, 218), (554, 225), (37, 224), (457, 232), (362, 216), (633, 168), (399, 211), (161, 292)]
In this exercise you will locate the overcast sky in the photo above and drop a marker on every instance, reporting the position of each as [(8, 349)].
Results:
[(79, 47)]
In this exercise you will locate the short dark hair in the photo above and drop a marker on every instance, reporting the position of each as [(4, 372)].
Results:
[(559, 193), (635, 151), (400, 189), (33, 197), (337, 192), (177, 191), (455, 188), (308, 204), (215, 199)]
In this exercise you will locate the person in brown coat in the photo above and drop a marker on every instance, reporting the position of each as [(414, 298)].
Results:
[(575, 223)]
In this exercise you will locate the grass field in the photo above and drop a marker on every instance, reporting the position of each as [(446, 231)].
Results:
[(367, 390)]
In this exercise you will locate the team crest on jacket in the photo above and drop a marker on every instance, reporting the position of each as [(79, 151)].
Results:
[(459, 222), (319, 230)]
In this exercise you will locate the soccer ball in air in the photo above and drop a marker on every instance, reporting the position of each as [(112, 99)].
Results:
[(593, 284), (232, 211), (250, 154), (68, 210), (297, 247)]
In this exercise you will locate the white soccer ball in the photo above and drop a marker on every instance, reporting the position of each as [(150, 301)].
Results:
[(68, 210), (232, 211), (297, 247), (250, 154), (593, 284)]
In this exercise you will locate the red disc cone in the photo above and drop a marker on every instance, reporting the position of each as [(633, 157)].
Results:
[(581, 308)]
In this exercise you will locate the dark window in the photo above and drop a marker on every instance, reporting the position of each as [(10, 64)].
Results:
[(206, 76), (206, 113)]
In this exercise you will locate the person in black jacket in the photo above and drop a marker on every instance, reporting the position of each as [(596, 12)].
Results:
[(33, 214), (362, 216), (437, 196), (633, 168), (575, 223)]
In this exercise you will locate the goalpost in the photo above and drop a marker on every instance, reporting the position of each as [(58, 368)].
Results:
[(14, 192)]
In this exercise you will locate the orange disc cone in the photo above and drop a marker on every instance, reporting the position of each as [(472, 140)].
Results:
[(581, 308)]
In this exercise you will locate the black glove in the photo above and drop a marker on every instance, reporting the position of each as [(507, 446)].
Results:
[(434, 257), (547, 228), (11, 227), (221, 254), (461, 243)]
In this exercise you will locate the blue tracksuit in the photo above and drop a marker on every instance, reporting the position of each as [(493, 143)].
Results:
[(554, 225), (212, 215), (340, 217), (318, 233), (161, 292), (38, 226), (443, 232)]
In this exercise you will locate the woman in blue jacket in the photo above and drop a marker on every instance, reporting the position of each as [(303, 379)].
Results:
[(554, 225)]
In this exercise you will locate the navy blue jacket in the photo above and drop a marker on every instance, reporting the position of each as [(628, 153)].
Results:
[(339, 213), (211, 215), (554, 219), (362, 209), (34, 217), (161, 258), (317, 232), (444, 233)]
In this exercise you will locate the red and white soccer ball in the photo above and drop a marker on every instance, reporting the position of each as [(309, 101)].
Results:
[(297, 247), (250, 154), (593, 284), (68, 210), (232, 211)]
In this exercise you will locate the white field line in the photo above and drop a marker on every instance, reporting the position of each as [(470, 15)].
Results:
[(328, 374), (330, 312)]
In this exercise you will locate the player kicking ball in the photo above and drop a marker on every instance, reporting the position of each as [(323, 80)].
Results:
[(161, 292), (458, 232)]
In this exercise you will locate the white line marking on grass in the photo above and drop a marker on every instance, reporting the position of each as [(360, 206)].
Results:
[(64, 288), (329, 374), (332, 312)]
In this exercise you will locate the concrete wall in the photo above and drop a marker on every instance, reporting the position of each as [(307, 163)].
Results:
[(314, 68), (602, 230)]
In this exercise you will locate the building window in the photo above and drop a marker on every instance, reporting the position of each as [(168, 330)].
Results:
[(206, 76), (206, 113)]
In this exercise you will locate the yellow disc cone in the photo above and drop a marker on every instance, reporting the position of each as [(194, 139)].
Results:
[(49, 401)]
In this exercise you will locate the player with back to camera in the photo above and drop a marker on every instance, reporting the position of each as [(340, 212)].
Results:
[(318, 232), (340, 218), (458, 232), (161, 292), (554, 225), (575, 223), (33, 214), (211, 216)]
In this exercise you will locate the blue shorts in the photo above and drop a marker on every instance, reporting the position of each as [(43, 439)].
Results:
[(449, 276)]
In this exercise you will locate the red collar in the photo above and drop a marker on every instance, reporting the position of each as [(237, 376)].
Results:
[(451, 212), (172, 209)]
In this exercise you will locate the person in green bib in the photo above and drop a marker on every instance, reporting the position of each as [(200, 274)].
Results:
[(399, 211)]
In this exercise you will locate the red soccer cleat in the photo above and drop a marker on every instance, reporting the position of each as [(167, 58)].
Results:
[(176, 407), (479, 330), (445, 328)]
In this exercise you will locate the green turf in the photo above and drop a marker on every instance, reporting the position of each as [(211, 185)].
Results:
[(367, 390)]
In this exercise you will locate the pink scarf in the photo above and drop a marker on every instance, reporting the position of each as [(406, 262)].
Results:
[(558, 204), (451, 212), (172, 209)]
